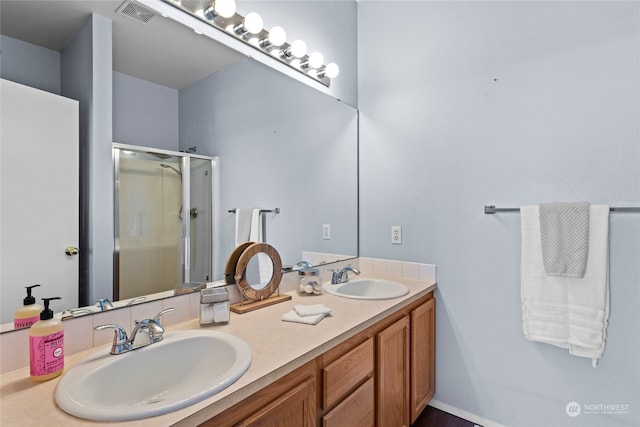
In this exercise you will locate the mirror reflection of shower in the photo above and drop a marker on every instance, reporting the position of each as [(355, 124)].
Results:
[(164, 165), (179, 172), (155, 249)]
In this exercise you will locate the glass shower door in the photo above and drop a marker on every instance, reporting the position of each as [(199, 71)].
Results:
[(149, 223), (200, 220)]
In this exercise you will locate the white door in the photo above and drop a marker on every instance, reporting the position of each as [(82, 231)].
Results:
[(38, 197)]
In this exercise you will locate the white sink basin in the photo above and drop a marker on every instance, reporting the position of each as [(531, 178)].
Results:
[(367, 289), (184, 368)]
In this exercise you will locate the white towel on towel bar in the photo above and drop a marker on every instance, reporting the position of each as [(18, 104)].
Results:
[(243, 225), (567, 312), (265, 266)]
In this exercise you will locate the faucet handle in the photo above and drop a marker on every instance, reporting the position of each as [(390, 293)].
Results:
[(163, 312), (104, 304), (334, 276), (120, 334), (120, 339)]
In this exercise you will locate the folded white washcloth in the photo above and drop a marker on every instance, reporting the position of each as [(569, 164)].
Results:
[(311, 310), (292, 316)]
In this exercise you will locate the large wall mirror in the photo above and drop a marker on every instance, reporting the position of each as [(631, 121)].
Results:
[(281, 143)]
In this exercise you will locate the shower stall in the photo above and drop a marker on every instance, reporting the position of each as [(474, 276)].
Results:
[(166, 219)]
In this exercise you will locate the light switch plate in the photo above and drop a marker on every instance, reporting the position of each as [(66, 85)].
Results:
[(326, 231)]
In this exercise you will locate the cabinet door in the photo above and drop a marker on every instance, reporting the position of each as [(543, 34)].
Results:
[(423, 343), (292, 409), (392, 375)]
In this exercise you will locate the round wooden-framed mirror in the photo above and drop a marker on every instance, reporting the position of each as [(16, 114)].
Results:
[(264, 287)]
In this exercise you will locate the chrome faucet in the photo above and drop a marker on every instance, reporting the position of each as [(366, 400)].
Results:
[(104, 304), (342, 276), (146, 332), (74, 312), (136, 300)]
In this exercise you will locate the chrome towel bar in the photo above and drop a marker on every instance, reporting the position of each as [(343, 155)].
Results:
[(491, 209), (275, 211)]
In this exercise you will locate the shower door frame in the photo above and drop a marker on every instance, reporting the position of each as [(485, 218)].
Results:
[(185, 159)]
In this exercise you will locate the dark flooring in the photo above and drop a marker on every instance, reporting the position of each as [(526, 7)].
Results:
[(432, 417)]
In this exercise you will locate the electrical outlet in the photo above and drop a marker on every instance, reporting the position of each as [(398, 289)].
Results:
[(326, 231), (396, 234)]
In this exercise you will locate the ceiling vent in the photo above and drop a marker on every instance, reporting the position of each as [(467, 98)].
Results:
[(136, 12)]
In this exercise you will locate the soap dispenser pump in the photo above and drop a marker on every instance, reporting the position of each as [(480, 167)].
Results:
[(29, 313), (46, 345)]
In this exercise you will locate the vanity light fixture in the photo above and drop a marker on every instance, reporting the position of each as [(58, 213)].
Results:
[(222, 15), (276, 38), (252, 24), (297, 49), (331, 70), (223, 8), (315, 60)]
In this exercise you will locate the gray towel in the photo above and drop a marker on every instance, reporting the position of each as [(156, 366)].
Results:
[(564, 235)]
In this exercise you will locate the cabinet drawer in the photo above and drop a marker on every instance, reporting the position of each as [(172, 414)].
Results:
[(354, 411), (346, 373), (292, 409)]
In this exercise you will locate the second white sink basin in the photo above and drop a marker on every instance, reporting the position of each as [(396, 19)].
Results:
[(367, 289), (182, 369)]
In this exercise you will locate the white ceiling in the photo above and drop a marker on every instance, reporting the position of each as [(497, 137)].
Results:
[(161, 51)]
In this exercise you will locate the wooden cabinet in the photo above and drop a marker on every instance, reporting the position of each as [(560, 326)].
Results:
[(288, 402), (423, 347), (347, 384), (383, 376), (392, 374), (346, 373), (293, 409), (356, 410), (405, 371)]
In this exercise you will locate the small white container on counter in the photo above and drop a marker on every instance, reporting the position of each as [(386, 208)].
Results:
[(214, 306), (309, 282)]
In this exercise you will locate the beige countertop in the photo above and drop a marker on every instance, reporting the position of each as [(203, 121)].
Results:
[(278, 348)]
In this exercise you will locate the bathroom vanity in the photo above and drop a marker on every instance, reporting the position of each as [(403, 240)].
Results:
[(369, 363), (381, 376)]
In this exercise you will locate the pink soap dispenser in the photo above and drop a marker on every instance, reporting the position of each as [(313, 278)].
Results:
[(46, 345), (29, 313)]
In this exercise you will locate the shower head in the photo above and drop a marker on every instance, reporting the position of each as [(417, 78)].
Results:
[(166, 166)]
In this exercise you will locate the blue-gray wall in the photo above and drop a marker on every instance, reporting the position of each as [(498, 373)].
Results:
[(87, 77), (144, 113), (281, 144), (30, 65), (470, 103)]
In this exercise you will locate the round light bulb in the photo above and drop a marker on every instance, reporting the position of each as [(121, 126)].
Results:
[(316, 60), (332, 70), (298, 48), (277, 36), (253, 23), (225, 8)]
